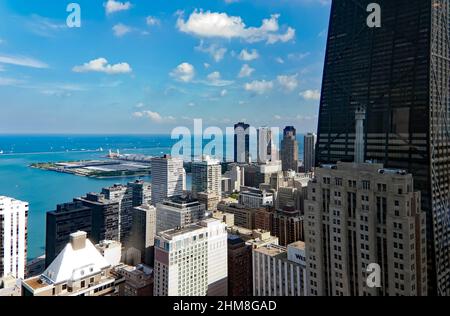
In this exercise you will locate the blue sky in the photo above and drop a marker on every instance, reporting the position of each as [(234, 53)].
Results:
[(142, 66)]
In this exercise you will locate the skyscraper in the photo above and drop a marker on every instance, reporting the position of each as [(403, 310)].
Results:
[(192, 261), (309, 151), (289, 149), (241, 143), (13, 237), (68, 218), (168, 177), (267, 150), (206, 176), (362, 214), (400, 74)]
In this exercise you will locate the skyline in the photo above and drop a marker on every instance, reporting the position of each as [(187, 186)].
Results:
[(126, 78)]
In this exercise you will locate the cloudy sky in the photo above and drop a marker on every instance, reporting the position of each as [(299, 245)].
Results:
[(144, 66)]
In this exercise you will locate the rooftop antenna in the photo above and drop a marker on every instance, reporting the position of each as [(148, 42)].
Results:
[(360, 116)]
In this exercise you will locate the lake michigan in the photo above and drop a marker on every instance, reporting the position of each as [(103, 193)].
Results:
[(45, 189)]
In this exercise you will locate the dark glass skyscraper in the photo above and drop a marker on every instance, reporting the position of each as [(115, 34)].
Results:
[(400, 74)]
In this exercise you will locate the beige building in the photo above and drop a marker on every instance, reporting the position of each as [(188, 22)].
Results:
[(79, 270), (279, 271), (358, 215)]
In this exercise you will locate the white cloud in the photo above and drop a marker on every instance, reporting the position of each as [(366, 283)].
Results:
[(259, 87), (310, 95), (216, 52), (184, 72), (113, 6), (215, 79), (248, 56), (101, 65), (22, 61), (152, 21), (277, 117), (121, 29), (214, 24), (154, 117), (279, 60), (206, 65), (289, 83), (140, 105), (2, 68), (246, 71), (223, 93), (298, 56)]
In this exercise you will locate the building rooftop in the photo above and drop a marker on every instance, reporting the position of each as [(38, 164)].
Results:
[(273, 250), (78, 259)]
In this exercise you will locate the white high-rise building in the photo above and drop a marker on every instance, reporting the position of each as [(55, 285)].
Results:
[(168, 178), (242, 143), (192, 261), (309, 153), (13, 237), (206, 176), (267, 150), (280, 271)]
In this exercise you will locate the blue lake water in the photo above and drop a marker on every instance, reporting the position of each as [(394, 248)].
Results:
[(44, 189)]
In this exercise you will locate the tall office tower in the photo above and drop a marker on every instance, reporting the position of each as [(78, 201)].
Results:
[(362, 214), (143, 232), (13, 237), (309, 151), (239, 267), (168, 177), (267, 150), (141, 192), (242, 143), (289, 149), (78, 270), (287, 225), (192, 261), (105, 217), (399, 73), (128, 196), (68, 218), (178, 211), (236, 177), (206, 176), (280, 271)]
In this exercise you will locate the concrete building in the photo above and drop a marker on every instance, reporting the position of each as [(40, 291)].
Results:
[(68, 218), (13, 237), (143, 233), (255, 198), (239, 267), (168, 178), (178, 211), (287, 225), (362, 214), (235, 176), (267, 150), (241, 143), (206, 176), (226, 218), (289, 149), (10, 286), (257, 174), (309, 151), (105, 224), (209, 200), (192, 261), (243, 216), (79, 270), (138, 280), (279, 271), (35, 267)]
